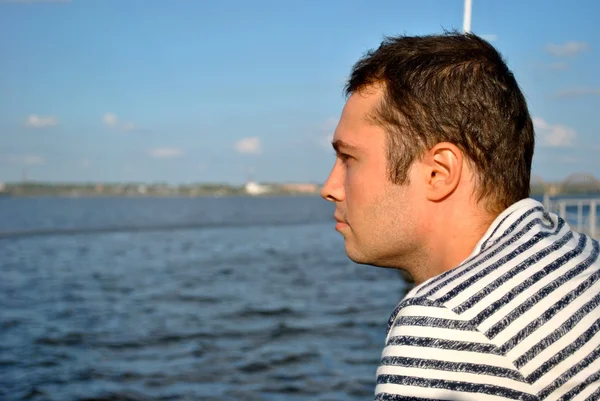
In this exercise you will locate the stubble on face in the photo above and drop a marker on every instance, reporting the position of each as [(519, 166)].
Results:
[(380, 216), (390, 233)]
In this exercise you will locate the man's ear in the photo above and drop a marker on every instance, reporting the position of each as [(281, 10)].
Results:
[(443, 166)]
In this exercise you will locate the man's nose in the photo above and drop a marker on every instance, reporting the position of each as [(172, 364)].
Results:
[(333, 189)]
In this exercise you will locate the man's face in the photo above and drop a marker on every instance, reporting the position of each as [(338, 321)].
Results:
[(377, 218)]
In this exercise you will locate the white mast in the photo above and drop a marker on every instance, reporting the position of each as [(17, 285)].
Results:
[(467, 17)]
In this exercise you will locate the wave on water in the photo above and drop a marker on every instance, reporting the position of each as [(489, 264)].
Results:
[(148, 228), (269, 308)]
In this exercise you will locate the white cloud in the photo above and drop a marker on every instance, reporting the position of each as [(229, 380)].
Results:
[(326, 141), (111, 120), (128, 126), (28, 159), (492, 37), (165, 153), (330, 124), (248, 145), (36, 121), (326, 131), (578, 92), (554, 135), (567, 49)]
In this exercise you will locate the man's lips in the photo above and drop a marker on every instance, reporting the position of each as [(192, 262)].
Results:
[(340, 223)]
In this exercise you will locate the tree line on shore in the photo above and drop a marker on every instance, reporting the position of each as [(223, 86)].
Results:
[(210, 189), (140, 189)]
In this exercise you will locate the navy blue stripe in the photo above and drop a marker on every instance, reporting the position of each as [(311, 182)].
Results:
[(551, 312), (565, 353), (558, 333), (595, 396), (482, 258), (588, 360), (429, 342), (582, 386), (469, 303), (426, 321), (423, 301), (509, 296), (456, 386), (462, 367), (398, 397), (548, 289), (507, 258), (512, 226), (393, 317), (418, 301)]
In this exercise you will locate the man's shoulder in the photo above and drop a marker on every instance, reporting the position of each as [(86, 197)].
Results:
[(535, 260), (421, 306), (417, 312), (430, 349)]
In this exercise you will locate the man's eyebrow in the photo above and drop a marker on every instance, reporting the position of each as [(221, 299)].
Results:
[(338, 145)]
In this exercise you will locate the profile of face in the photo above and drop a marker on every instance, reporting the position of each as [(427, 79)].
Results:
[(378, 219)]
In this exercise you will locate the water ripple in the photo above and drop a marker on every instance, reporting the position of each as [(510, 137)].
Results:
[(269, 308)]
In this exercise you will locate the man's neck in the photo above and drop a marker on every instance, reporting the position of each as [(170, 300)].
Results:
[(453, 237)]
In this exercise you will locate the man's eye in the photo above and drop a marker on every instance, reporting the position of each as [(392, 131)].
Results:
[(343, 157)]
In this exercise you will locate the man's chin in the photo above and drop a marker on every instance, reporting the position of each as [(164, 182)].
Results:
[(362, 259), (358, 257), (353, 255)]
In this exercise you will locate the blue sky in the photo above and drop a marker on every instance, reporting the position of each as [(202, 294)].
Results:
[(214, 91)]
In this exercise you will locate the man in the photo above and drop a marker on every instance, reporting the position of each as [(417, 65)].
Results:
[(434, 150)]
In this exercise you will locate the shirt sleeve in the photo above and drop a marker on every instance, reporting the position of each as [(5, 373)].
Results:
[(431, 354)]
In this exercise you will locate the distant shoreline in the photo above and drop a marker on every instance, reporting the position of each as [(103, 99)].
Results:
[(157, 190), (155, 196), (216, 196), (211, 190)]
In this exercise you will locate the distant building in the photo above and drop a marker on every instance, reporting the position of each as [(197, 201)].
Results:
[(305, 188), (2, 186), (254, 188)]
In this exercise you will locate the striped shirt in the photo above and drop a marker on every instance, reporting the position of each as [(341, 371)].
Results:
[(519, 319)]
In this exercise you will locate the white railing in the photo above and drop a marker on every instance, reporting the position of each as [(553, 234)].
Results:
[(585, 217)]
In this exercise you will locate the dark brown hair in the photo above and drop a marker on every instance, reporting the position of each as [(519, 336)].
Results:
[(457, 88)]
